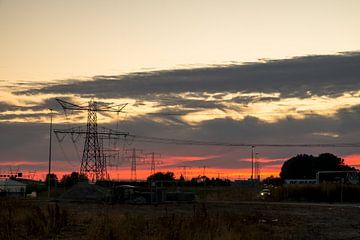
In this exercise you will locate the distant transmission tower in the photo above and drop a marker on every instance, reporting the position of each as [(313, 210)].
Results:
[(133, 157), (93, 161), (257, 167), (184, 172), (153, 161), (133, 166)]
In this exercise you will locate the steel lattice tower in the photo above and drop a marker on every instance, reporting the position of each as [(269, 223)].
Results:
[(152, 168), (133, 165), (153, 162), (133, 155), (93, 163)]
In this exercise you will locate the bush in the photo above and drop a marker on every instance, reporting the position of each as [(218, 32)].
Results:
[(28, 221), (325, 192)]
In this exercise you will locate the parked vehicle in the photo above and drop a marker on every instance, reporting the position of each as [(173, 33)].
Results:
[(265, 193)]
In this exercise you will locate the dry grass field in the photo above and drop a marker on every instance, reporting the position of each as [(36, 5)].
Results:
[(25, 219)]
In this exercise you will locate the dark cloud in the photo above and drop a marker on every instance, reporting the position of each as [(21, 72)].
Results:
[(49, 103), (22, 116), (8, 107), (183, 103), (185, 91), (328, 75)]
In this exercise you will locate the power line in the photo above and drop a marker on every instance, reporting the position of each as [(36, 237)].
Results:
[(140, 138), (171, 141)]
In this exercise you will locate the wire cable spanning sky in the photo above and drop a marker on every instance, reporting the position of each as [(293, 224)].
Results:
[(223, 144)]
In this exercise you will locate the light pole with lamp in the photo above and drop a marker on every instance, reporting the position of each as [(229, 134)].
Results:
[(50, 143)]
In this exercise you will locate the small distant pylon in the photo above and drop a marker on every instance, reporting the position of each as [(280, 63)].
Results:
[(184, 171), (133, 157), (257, 171), (204, 170), (257, 167), (153, 162), (133, 166)]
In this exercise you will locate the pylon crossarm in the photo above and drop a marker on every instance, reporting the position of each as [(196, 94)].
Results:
[(71, 106)]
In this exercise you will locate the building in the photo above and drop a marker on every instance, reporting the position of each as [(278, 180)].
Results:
[(246, 183), (11, 175), (9, 187), (349, 177), (300, 181)]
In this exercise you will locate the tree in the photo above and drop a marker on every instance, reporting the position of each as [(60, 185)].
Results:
[(182, 179), (161, 176), (73, 178), (53, 179), (273, 181), (305, 166)]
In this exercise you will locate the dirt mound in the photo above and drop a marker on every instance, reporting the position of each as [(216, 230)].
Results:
[(84, 191)]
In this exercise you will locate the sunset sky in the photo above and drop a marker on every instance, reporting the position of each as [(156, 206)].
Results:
[(254, 72)]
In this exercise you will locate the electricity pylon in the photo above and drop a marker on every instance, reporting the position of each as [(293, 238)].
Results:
[(153, 161), (184, 172), (133, 155), (93, 161)]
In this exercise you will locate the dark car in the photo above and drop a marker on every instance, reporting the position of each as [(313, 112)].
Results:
[(265, 193)]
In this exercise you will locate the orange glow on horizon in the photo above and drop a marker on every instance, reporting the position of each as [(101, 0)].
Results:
[(141, 174), (352, 160), (143, 171)]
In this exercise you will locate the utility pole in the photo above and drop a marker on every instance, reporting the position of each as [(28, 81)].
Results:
[(204, 179), (342, 189), (252, 162), (50, 145)]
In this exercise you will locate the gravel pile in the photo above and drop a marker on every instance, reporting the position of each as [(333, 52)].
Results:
[(84, 191)]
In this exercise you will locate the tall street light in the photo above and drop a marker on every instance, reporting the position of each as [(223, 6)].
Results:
[(50, 143), (252, 162)]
